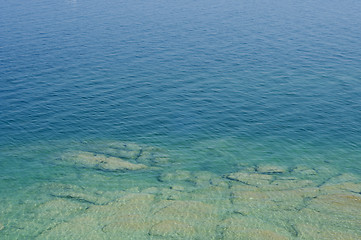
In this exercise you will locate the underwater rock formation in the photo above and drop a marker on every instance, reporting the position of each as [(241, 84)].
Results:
[(182, 204), (172, 229), (239, 227), (104, 162), (253, 179), (116, 156), (270, 169)]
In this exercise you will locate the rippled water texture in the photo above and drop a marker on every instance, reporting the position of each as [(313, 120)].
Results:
[(180, 119)]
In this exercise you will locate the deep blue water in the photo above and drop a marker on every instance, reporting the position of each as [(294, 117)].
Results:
[(257, 81), (128, 69)]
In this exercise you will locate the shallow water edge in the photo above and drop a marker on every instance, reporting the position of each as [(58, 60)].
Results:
[(137, 191)]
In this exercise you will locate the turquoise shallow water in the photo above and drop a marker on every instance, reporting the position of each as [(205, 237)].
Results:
[(197, 91)]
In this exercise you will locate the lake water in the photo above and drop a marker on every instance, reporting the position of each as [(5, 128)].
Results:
[(180, 119)]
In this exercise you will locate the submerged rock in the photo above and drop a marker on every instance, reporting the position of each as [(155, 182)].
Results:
[(84, 227), (304, 170), (123, 151), (326, 171), (48, 215), (317, 224), (178, 175), (131, 226), (341, 187), (310, 231), (201, 217), (234, 232), (104, 162), (172, 229), (77, 193), (128, 217), (126, 146), (215, 195), (251, 228), (221, 182), (202, 178), (255, 202), (267, 203), (346, 177), (270, 169), (251, 178), (338, 204), (238, 186), (287, 184), (177, 188), (172, 194), (183, 210), (58, 209), (130, 151), (151, 190), (117, 156), (130, 204), (81, 197), (153, 156)]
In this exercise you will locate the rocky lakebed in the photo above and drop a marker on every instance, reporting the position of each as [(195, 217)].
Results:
[(262, 201)]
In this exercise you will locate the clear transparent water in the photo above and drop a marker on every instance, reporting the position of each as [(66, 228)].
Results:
[(217, 86)]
